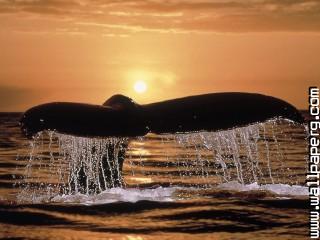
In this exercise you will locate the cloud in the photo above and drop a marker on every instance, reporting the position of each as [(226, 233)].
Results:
[(38, 6), (178, 16), (135, 28)]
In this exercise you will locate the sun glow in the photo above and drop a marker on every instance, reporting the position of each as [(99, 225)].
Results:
[(140, 86)]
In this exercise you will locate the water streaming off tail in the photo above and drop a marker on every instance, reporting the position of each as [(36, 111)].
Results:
[(68, 165), (259, 153), (265, 153)]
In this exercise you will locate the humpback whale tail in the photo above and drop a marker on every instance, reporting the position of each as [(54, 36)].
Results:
[(120, 116)]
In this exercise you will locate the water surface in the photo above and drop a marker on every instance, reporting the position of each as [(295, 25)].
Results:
[(241, 184)]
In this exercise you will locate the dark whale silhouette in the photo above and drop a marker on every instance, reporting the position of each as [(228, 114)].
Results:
[(121, 116)]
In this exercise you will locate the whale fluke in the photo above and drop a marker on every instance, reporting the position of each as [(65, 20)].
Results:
[(120, 116)]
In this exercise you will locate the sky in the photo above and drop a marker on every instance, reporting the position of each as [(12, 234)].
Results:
[(152, 50)]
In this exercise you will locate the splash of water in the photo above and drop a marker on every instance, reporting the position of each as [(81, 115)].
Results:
[(159, 194), (65, 165), (280, 189), (264, 153), (94, 164)]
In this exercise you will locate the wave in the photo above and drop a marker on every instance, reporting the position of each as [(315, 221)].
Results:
[(168, 194), (160, 194), (279, 189)]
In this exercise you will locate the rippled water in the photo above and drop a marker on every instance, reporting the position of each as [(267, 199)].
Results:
[(246, 183)]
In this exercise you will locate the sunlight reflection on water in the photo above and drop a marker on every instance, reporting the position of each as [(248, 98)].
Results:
[(165, 194)]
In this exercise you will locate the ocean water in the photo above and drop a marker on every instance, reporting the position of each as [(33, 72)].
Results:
[(246, 183)]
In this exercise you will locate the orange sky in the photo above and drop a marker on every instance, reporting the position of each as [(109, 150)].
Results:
[(86, 51)]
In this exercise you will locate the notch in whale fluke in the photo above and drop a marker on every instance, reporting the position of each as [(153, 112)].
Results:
[(120, 116)]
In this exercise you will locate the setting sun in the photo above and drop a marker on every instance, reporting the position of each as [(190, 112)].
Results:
[(140, 86)]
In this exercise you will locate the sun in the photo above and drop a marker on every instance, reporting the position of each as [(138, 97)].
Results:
[(140, 86)]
